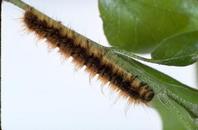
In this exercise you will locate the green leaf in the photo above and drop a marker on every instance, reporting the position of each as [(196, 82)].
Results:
[(170, 121), (178, 100), (179, 50), (139, 25)]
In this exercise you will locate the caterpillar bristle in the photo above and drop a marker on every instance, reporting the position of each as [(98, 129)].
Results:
[(73, 45)]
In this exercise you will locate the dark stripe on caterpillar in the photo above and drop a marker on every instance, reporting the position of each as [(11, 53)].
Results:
[(84, 53)]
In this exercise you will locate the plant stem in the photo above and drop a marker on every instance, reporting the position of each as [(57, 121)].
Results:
[(19, 3), (132, 55)]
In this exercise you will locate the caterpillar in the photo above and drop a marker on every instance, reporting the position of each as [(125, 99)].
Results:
[(72, 44)]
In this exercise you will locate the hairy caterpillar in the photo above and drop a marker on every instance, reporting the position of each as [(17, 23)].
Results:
[(86, 54)]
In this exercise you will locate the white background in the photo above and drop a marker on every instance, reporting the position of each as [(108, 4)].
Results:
[(42, 91)]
